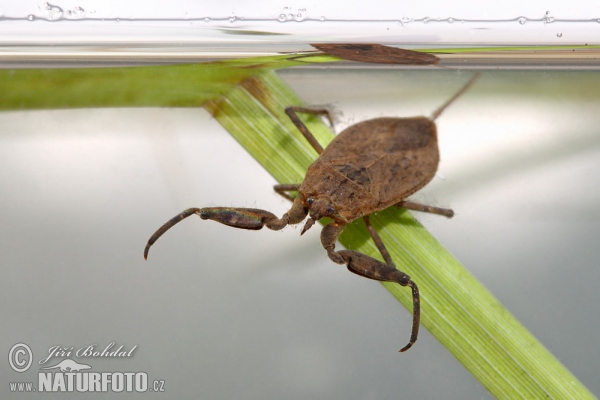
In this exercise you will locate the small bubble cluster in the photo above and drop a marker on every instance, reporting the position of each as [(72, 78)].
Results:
[(76, 12), (406, 20), (289, 14), (51, 11)]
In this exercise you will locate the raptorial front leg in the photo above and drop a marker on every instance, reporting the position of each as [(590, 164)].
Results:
[(401, 278), (242, 218), (371, 268)]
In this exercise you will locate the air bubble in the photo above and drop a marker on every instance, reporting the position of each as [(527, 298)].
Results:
[(53, 12), (76, 12), (232, 19), (30, 17), (559, 34), (207, 20), (522, 20), (450, 20), (281, 18), (323, 19), (426, 20)]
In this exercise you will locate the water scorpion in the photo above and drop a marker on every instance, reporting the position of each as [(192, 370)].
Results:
[(368, 167)]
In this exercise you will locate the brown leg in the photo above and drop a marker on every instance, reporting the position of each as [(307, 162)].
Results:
[(378, 242), (409, 205), (371, 268), (405, 278), (291, 112), (243, 218), (282, 189)]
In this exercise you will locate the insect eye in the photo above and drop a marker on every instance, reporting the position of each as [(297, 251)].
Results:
[(310, 200), (329, 210)]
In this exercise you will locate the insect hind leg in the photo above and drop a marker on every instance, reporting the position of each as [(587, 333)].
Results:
[(409, 205)]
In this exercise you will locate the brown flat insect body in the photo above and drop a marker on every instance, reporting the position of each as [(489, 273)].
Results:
[(373, 165), (368, 167)]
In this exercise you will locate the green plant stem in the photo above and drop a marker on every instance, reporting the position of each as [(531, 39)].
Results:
[(185, 85), (456, 309)]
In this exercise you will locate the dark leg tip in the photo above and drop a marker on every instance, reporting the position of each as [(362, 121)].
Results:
[(408, 346), (146, 250)]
